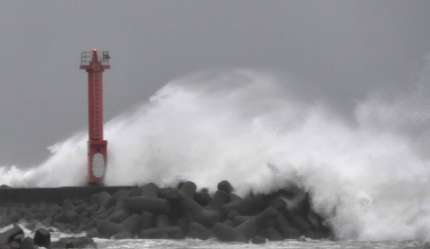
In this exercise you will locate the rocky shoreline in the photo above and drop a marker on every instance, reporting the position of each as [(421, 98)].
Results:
[(150, 212)]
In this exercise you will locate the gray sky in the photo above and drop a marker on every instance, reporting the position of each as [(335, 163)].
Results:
[(339, 51)]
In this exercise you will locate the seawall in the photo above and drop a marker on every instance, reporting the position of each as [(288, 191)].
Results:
[(10, 196)]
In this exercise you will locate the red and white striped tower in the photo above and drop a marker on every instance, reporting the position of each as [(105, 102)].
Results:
[(95, 63)]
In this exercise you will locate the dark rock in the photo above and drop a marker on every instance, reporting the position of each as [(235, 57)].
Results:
[(83, 216), (262, 221), (258, 240), (225, 186), (229, 223), (81, 208), (232, 214), (120, 213), (68, 213), (118, 216), (14, 215), (227, 233), (174, 232), (319, 229), (74, 242), (30, 225), (47, 222), (183, 223), (314, 219), (150, 190), (220, 198), (147, 220), (189, 188), (94, 200), (68, 204), (266, 218), (19, 238), (71, 227), (234, 197), (8, 236), (27, 243), (123, 235), (135, 192), (86, 225), (299, 203), (92, 209), (199, 231), (42, 238), (103, 199), (52, 210), (108, 229), (285, 228), (59, 226), (247, 229), (28, 214), (197, 213), (151, 212), (247, 206), (297, 221), (175, 195), (132, 224), (14, 245), (77, 202), (273, 234), (239, 219), (202, 198), (114, 198), (303, 224), (323, 232), (106, 213), (150, 204), (153, 233), (93, 233), (162, 221)]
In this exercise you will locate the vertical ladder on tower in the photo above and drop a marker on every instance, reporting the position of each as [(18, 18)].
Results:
[(97, 100)]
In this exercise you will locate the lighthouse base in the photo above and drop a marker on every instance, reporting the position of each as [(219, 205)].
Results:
[(97, 158)]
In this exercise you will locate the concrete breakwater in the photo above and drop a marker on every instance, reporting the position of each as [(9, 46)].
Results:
[(28, 196), (151, 212)]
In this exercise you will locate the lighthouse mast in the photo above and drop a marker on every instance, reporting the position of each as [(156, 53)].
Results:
[(95, 63)]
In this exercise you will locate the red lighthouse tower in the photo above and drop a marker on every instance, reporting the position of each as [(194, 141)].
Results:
[(95, 63)]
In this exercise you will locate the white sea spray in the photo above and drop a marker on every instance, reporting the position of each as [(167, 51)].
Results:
[(368, 177)]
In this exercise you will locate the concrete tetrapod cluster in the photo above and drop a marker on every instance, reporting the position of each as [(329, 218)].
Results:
[(151, 212)]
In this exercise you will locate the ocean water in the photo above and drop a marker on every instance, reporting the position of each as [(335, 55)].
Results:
[(367, 172), (289, 244), (214, 244)]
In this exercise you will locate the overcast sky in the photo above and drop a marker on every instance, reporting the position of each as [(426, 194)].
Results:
[(338, 50)]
